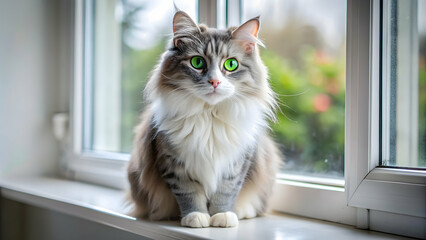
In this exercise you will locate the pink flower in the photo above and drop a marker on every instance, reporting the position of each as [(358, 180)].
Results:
[(322, 102)]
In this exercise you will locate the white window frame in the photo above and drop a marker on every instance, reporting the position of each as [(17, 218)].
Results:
[(387, 193), (109, 168), (366, 185), (104, 168)]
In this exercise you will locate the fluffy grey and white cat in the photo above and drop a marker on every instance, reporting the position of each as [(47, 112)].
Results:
[(202, 150)]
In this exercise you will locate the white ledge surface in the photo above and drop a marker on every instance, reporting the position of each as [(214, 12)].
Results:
[(107, 206)]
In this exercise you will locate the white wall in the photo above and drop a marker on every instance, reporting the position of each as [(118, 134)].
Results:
[(31, 70)]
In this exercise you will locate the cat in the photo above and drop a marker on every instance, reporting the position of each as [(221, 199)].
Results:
[(202, 151)]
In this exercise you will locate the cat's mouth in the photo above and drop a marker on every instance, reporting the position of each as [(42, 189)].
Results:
[(212, 92), (215, 95)]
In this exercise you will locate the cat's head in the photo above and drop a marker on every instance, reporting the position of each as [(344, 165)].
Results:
[(211, 64)]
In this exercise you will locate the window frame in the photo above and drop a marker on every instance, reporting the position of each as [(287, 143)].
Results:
[(395, 191), (103, 168)]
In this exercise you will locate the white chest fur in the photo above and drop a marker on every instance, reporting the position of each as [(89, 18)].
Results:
[(209, 139)]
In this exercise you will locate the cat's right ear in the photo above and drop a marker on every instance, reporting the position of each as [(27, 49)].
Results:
[(246, 34), (183, 27)]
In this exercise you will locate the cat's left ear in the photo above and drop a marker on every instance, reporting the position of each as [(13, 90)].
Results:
[(246, 34), (183, 27)]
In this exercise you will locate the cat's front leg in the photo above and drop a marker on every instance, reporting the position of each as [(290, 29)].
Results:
[(192, 201), (222, 202), (193, 208)]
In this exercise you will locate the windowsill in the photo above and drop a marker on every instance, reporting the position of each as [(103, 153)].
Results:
[(107, 206)]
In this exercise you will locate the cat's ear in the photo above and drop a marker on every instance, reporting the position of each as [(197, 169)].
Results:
[(183, 26), (246, 34)]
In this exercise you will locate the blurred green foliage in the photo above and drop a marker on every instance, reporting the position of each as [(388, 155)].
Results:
[(311, 118), (136, 66)]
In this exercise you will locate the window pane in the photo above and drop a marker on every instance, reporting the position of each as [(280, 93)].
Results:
[(126, 38), (404, 84), (305, 54)]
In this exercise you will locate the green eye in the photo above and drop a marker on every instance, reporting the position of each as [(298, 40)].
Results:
[(231, 64), (198, 62)]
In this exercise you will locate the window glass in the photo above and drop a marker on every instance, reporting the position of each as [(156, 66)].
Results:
[(404, 84), (305, 54), (124, 39)]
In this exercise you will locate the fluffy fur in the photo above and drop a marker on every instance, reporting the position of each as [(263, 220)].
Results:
[(203, 153)]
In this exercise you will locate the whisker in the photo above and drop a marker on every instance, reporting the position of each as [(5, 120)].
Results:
[(293, 95), (280, 103)]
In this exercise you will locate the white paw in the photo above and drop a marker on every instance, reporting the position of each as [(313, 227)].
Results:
[(246, 211), (196, 220), (226, 219)]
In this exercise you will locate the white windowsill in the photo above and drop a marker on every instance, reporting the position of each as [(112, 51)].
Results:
[(106, 206)]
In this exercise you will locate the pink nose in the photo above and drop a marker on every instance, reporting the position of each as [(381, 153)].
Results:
[(214, 82)]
